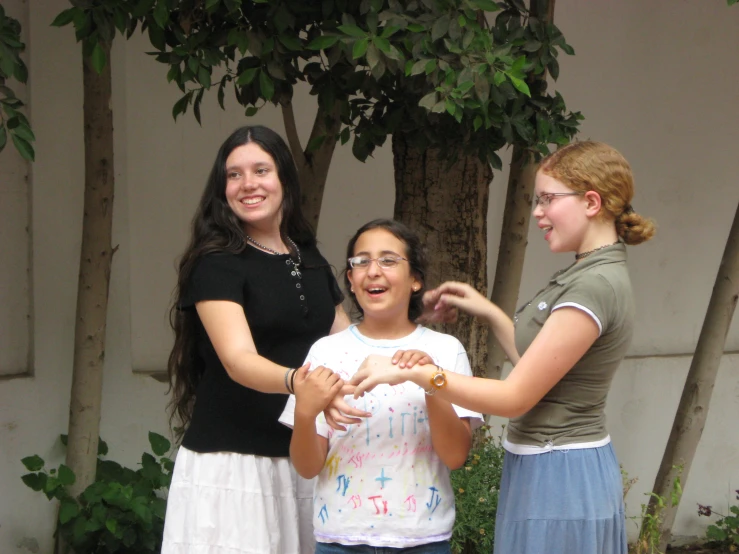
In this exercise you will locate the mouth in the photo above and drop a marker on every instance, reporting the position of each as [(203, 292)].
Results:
[(375, 291), (252, 200), (547, 231)]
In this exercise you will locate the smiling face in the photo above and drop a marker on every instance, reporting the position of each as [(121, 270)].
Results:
[(253, 188), (383, 294), (565, 219)]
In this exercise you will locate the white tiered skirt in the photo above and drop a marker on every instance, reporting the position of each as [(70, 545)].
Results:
[(227, 503)]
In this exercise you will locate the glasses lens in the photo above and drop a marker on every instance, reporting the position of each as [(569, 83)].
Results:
[(358, 263), (387, 262)]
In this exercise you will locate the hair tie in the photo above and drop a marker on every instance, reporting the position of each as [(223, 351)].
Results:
[(628, 209)]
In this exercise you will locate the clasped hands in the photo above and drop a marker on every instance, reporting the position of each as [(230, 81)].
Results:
[(322, 390)]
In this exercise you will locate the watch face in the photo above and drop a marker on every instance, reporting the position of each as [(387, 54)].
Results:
[(439, 380)]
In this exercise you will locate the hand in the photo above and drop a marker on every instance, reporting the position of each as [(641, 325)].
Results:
[(435, 313), (409, 358), (338, 411), (314, 390), (461, 295), (377, 370)]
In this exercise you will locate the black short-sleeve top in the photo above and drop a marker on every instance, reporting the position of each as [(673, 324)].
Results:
[(287, 312)]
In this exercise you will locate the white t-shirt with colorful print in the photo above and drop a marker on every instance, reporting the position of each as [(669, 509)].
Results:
[(382, 483)]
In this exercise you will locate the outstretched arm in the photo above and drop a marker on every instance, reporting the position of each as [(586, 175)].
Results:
[(565, 337)]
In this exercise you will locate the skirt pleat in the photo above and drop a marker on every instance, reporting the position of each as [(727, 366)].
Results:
[(563, 501), (227, 503)]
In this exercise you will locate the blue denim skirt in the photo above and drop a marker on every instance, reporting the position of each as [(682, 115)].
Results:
[(561, 502)]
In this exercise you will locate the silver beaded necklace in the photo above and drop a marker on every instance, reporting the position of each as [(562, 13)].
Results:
[(292, 262)]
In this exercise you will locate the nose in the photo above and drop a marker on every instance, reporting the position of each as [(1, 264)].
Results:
[(538, 211), (374, 268)]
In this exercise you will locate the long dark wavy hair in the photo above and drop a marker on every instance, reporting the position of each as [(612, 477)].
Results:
[(215, 228), (414, 251)]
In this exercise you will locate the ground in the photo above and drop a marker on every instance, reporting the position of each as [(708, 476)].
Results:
[(697, 550)]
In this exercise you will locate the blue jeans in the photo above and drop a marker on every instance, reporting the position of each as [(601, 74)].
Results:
[(336, 548)]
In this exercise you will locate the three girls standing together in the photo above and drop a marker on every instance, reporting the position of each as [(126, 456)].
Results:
[(266, 367)]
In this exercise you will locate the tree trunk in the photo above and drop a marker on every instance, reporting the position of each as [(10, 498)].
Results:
[(94, 276), (515, 230), (312, 166), (512, 250), (696, 397), (446, 204)]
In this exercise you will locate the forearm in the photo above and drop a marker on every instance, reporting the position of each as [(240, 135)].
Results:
[(488, 396), (256, 372), (450, 436), (307, 448), (502, 327)]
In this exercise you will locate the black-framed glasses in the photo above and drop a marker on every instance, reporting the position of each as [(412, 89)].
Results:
[(385, 262), (546, 197)]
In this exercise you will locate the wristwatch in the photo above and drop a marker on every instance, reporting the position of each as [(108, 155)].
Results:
[(438, 380)]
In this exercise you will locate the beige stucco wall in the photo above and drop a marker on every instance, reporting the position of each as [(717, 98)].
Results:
[(655, 82)]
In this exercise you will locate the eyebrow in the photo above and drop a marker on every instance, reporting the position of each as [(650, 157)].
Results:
[(383, 253)]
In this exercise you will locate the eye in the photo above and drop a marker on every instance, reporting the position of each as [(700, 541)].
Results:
[(387, 261), (261, 171), (233, 175)]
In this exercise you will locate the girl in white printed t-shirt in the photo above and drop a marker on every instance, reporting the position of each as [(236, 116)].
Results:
[(384, 482)]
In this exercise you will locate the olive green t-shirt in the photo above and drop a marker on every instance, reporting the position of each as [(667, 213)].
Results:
[(573, 410)]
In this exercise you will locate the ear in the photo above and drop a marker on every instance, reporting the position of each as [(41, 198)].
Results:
[(351, 280), (416, 285), (592, 203)]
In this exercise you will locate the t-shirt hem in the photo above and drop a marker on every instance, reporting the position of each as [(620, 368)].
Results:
[(375, 541)]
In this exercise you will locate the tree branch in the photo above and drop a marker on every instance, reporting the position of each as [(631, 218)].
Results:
[(291, 130)]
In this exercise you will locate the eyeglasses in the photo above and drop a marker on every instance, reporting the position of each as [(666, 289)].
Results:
[(385, 262), (547, 197)]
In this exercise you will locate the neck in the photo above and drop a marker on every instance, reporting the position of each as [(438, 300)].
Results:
[(600, 236), (269, 238), (383, 329)]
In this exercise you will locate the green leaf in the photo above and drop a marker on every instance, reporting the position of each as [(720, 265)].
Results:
[(553, 67), (266, 86), (159, 444), (532, 46), (440, 28), (161, 13), (98, 58), (247, 76), (68, 509), (210, 4), (111, 525), (360, 48), (65, 18), (66, 475), (418, 67), (291, 42), (345, 135), (251, 111), (36, 481), (33, 463), (323, 42), (3, 137), (352, 31), (315, 143), (373, 56), (498, 78), (429, 101), (181, 105), (520, 85), (567, 49), (204, 76)]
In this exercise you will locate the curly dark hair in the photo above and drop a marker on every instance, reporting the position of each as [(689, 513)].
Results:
[(215, 228), (414, 251)]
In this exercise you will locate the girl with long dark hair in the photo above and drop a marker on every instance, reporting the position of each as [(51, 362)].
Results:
[(253, 294)]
